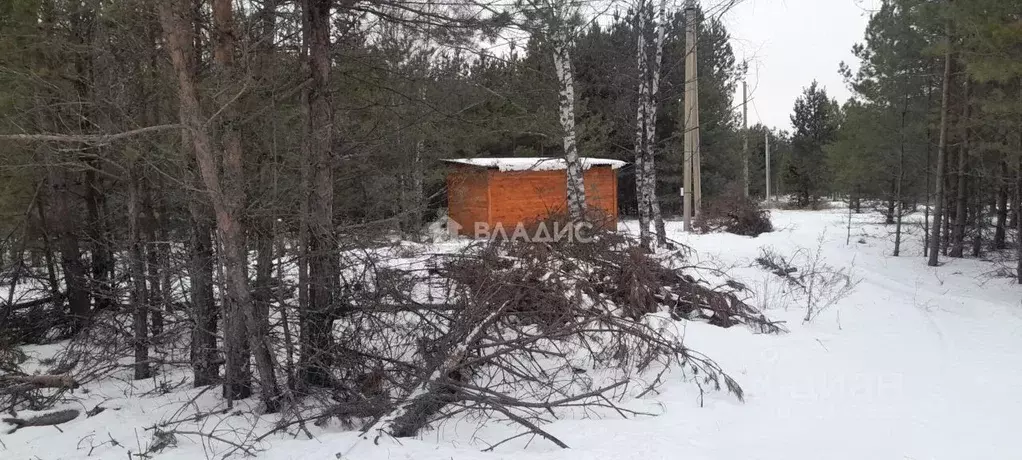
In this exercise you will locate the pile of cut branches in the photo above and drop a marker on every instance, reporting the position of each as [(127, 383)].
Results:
[(530, 332)]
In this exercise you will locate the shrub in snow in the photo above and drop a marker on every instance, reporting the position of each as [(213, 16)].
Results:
[(815, 284), (734, 213)]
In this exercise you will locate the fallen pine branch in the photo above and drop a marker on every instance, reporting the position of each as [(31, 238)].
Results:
[(91, 139), (412, 413), (32, 303), (50, 419), (22, 383)]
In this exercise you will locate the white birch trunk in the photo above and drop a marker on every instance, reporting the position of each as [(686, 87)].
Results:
[(641, 119), (645, 137), (649, 162), (576, 187)]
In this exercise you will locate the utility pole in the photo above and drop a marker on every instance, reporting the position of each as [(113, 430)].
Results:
[(745, 136), (691, 185), (767, 163), (697, 161)]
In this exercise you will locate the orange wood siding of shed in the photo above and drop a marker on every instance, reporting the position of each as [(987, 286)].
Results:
[(468, 196), (514, 197)]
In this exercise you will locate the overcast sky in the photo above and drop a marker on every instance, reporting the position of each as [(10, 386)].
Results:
[(788, 44)]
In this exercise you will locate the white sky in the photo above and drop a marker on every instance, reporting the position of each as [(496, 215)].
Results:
[(788, 44)]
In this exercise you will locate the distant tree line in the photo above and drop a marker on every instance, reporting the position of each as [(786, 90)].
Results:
[(935, 121)]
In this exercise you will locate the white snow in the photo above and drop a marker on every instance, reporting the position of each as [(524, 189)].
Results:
[(534, 163), (916, 363)]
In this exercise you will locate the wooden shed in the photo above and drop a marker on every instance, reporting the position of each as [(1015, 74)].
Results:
[(512, 191)]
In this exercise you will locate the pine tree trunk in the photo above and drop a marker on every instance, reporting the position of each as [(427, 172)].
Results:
[(237, 299), (205, 314), (83, 24), (205, 368), (306, 315), (899, 181), (242, 317), (264, 224), (1018, 205), (51, 266), (977, 223), (64, 217), (929, 171), (94, 87), (262, 295), (136, 270), (941, 150), (566, 79), (153, 259), (317, 323), (416, 203), (1013, 213), (227, 197), (1001, 206), (961, 199), (891, 203), (949, 215), (102, 258)]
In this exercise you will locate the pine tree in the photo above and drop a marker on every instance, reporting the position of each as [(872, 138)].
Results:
[(815, 119)]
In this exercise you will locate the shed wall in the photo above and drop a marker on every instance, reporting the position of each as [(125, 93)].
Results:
[(468, 196), (527, 196)]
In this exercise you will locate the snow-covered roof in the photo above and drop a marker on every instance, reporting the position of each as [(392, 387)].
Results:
[(533, 163)]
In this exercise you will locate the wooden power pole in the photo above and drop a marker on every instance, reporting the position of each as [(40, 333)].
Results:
[(691, 196), (745, 136)]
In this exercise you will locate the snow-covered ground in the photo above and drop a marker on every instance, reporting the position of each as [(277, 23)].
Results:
[(915, 363)]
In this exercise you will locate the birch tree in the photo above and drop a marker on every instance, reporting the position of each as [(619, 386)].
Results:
[(645, 126), (557, 21)]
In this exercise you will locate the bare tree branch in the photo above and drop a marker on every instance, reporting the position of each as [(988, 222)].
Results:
[(91, 139)]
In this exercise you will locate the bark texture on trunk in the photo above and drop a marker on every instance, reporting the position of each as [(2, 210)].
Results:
[(650, 164), (154, 258), (205, 361), (227, 197), (242, 323), (566, 80), (102, 258), (136, 269), (977, 224), (642, 183), (318, 318), (51, 266), (961, 197), (941, 152), (205, 314), (264, 224), (64, 218), (1018, 206), (899, 180), (94, 81), (1001, 207), (646, 116)]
